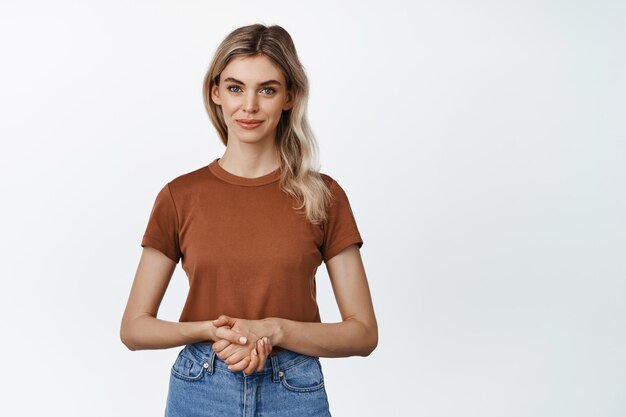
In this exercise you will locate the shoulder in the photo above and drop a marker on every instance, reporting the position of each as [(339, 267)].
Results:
[(328, 180), (188, 181), (183, 187), (333, 185), (338, 196), (190, 177)]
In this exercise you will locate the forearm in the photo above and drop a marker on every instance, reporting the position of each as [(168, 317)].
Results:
[(148, 332), (331, 340)]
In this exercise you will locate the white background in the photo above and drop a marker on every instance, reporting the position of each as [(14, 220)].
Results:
[(481, 145)]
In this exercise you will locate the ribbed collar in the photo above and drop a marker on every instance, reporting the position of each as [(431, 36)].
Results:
[(224, 175)]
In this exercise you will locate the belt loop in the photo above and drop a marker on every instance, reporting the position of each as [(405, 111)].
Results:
[(211, 361), (275, 367)]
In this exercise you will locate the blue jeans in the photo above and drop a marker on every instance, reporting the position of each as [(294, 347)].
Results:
[(291, 384)]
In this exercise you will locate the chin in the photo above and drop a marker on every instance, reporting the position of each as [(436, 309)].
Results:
[(249, 137)]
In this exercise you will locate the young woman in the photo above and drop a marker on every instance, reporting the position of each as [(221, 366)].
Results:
[(251, 228)]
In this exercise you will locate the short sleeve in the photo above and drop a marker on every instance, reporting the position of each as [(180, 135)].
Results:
[(162, 229), (340, 230)]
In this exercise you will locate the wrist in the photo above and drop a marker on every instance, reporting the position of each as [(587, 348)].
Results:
[(207, 331), (275, 330), (196, 331)]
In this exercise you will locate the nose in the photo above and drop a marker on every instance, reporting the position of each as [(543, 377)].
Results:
[(250, 104)]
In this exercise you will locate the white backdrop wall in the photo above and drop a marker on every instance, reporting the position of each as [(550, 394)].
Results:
[(481, 144)]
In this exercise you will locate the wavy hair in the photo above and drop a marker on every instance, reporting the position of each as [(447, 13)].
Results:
[(294, 140)]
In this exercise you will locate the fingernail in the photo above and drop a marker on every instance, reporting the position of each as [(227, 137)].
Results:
[(242, 339), (263, 342), (254, 352)]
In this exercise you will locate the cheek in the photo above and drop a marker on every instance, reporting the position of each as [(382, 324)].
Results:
[(229, 107), (275, 109)]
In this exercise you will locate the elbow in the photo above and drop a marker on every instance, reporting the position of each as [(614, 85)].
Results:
[(126, 336), (372, 342), (129, 345), (126, 341)]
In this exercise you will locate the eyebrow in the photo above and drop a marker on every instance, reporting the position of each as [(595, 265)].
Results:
[(268, 82)]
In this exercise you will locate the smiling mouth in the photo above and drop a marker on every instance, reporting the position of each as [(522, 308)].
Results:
[(249, 123)]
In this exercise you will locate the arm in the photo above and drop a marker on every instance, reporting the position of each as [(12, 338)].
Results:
[(357, 334), (140, 329)]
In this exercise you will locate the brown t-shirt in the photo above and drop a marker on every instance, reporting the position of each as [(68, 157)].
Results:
[(246, 251)]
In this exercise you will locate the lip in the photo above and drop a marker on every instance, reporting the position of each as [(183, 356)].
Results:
[(249, 123)]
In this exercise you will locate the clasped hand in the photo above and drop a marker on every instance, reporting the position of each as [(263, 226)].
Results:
[(250, 355)]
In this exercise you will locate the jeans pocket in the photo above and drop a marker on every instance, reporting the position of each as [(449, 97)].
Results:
[(188, 367), (305, 376)]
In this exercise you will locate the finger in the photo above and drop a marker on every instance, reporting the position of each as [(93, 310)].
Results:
[(238, 356), (223, 320), (240, 366), (220, 345), (231, 335), (268, 344), (221, 355), (220, 321), (262, 354), (254, 360), (228, 351)]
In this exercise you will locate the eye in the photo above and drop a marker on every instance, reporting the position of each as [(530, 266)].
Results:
[(235, 87), (268, 90)]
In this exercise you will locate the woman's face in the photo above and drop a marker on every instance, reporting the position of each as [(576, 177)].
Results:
[(253, 95)]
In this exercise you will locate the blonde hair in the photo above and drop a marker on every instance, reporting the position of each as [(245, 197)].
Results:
[(294, 141)]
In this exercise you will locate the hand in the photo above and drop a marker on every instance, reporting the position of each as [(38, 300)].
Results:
[(253, 361), (233, 336), (234, 354)]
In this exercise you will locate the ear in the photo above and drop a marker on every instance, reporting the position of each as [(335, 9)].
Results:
[(289, 101), (215, 94)]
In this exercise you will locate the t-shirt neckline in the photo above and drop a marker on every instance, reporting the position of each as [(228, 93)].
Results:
[(229, 177)]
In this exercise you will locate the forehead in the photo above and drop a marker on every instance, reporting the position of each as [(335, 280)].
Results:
[(253, 69)]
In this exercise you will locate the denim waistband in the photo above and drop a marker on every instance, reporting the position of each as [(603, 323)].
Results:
[(275, 363)]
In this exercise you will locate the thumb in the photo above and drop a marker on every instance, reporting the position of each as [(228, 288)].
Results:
[(222, 320), (233, 336)]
